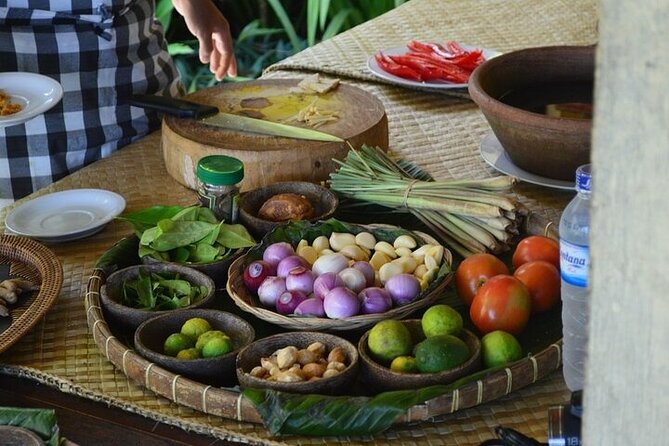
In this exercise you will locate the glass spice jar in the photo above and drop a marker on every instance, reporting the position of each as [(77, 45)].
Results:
[(218, 178)]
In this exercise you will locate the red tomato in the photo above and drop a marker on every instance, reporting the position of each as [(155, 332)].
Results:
[(474, 271), (502, 303), (536, 247), (542, 279)]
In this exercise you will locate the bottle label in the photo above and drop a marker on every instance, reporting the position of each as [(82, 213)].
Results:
[(574, 263)]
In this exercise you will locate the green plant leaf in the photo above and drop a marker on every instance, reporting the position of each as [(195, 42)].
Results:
[(191, 213), (203, 253), (285, 413), (42, 422), (235, 237), (286, 23), (313, 14), (180, 49), (336, 24), (163, 13), (324, 10), (181, 233), (149, 217)]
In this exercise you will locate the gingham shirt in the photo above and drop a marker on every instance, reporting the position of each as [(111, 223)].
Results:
[(102, 52)]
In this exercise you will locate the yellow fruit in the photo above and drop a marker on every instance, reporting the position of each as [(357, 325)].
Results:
[(217, 346), (389, 339), (194, 327), (440, 353), (500, 348), (177, 342), (207, 335), (189, 353), (441, 320), (404, 364)]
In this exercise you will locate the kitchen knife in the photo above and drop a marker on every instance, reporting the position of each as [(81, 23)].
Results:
[(211, 115)]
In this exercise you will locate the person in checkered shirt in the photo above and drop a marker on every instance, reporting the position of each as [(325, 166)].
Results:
[(101, 52)]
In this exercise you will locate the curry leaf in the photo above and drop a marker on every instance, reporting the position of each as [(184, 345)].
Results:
[(181, 233), (161, 291), (204, 253), (149, 217)]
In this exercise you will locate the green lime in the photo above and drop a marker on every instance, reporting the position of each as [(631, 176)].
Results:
[(499, 348), (194, 327), (177, 342), (189, 353), (207, 335), (389, 339), (440, 353), (441, 320), (404, 364), (217, 346)]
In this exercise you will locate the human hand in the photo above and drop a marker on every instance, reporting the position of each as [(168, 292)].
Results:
[(212, 30)]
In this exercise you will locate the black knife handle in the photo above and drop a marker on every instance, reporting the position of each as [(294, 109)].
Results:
[(173, 106)]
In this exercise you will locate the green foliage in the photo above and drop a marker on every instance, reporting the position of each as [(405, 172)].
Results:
[(265, 32), (151, 291)]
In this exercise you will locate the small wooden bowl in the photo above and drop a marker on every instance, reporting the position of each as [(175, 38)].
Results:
[(323, 200), (250, 357), (217, 270), (219, 371), (130, 318), (382, 378)]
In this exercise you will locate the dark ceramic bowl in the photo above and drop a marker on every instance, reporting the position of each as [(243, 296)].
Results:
[(218, 270), (250, 357), (219, 371), (545, 145), (130, 318), (382, 378), (323, 200)]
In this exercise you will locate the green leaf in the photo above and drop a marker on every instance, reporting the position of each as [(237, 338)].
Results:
[(179, 287), (180, 254), (149, 217), (285, 413), (145, 296), (286, 23), (163, 13), (190, 213), (203, 253), (122, 254), (336, 24), (42, 422), (181, 233), (325, 8), (235, 237), (312, 20), (206, 214), (180, 49)]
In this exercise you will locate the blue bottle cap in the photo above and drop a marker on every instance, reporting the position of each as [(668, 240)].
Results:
[(583, 177)]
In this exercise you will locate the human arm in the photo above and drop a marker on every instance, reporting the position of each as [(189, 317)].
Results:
[(212, 30)]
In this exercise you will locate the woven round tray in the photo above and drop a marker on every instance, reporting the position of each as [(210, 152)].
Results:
[(249, 302), (35, 262), (231, 404)]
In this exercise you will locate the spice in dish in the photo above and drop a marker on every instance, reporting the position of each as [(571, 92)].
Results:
[(7, 107)]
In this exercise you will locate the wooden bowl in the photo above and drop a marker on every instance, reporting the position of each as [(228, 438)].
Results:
[(250, 357), (545, 145), (218, 371), (323, 200), (130, 318), (382, 378), (218, 270)]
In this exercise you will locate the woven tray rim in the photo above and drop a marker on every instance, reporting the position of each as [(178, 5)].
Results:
[(27, 251), (231, 404)]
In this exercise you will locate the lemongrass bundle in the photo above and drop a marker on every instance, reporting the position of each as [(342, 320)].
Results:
[(470, 216)]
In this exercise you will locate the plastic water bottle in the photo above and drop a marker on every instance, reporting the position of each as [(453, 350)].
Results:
[(574, 265)]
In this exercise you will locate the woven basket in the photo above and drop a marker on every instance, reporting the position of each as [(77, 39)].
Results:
[(230, 404), (34, 262), (249, 302)]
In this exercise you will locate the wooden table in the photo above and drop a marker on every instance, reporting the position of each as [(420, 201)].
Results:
[(439, 132)]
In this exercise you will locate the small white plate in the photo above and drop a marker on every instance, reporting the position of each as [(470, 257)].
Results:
[(35, 92), (374, 67), (67, 215), (494, 154)]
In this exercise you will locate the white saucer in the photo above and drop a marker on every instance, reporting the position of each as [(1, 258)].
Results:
[(494, 154), (67, 215), (35, 92)]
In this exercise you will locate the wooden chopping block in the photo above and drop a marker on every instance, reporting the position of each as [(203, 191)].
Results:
[(270, 159)]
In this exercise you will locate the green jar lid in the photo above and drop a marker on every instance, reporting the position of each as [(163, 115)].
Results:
[(220, 170)]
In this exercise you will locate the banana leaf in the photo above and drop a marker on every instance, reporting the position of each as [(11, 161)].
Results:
[(42, 422), (319, 415)]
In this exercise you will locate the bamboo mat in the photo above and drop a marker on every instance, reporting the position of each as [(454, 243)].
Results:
[(439, 132)]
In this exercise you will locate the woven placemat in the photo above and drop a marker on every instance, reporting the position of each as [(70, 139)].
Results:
[(440, 133)]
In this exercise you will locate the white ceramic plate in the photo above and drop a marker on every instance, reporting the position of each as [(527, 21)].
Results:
[(67, 215), (494, 154), (35, 92), (374, 67)]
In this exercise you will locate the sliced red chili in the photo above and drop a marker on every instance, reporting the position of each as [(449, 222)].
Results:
[(392, 67)]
